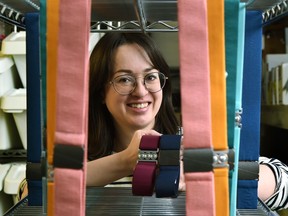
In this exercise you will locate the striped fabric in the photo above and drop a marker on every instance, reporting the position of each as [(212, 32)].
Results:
[(123, 182), (279, 199)]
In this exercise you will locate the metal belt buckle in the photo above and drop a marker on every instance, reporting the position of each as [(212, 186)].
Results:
[(148, 155)]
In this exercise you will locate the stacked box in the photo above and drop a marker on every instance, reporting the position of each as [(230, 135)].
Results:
[(15, 44), (6, 200), (9, 78), (15, 102), (283, 84), (13, 179)]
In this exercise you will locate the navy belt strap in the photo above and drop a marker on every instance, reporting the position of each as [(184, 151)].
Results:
[(167, 181), (250, 132), (34, 126)]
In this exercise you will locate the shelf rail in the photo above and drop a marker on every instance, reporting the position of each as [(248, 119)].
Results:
[(276, 12), (142, 24), (11, 16)]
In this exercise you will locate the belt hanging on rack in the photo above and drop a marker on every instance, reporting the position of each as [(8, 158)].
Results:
[(195, 104), (218, 103), (167, 180), (158, 166), (145, 171), (72, 107), (43, 60), (234, 48), (43, 69), (34, 126), (52, 44), (250, 134)]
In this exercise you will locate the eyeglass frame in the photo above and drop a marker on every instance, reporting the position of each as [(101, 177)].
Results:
[(144, 83)]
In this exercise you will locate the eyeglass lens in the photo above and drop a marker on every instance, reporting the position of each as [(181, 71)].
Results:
[(125, 84)]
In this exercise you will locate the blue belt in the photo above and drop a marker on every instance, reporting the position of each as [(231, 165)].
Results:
[(167, 181), (250, 134), (34, 128)]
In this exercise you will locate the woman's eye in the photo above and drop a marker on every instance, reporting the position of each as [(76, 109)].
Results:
[(125, 79), (151, 77)]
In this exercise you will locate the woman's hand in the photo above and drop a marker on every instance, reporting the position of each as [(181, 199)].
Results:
[(117, 165), (131, 153)]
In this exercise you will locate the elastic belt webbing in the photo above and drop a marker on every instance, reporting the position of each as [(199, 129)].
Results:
[(218, 100), (250, 134), (72, 107), (234, 48), (195, 103), (34, 125), (52, 44)]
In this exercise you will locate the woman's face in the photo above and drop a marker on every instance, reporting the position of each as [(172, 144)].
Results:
[(138, 109)]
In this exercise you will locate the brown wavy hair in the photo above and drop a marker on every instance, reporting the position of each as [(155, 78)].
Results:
[(101, 130)]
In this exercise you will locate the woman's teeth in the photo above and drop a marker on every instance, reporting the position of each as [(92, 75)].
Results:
[(139, 106)]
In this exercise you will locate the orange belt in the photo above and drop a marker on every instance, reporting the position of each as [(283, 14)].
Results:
[(218, 103), (52, 43)]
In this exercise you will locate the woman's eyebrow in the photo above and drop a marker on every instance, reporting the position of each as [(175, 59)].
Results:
[(146, 70), (149, 69), (123, 71)]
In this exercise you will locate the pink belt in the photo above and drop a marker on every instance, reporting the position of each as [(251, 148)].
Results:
[(195, 105), (72, 108)]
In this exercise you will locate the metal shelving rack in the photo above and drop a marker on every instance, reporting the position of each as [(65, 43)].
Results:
[(130, 16), (134, 15), (126, 204)]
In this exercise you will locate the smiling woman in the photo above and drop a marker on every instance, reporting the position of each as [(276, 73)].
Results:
[(117, 122), (130, 96), (132, 63)]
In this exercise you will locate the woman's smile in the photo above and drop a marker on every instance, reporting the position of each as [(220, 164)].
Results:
[(139, 105)]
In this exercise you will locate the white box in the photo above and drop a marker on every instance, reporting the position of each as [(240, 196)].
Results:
[(6, 200), (8, 74), (13, 179), (4, 168), (270, 88), (283, 84), (15, 44), (9, 137), (276, 85), (274, 60), (15, 102)]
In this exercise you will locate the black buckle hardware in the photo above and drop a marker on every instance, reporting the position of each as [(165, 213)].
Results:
[(248, 170), (169, 158), (198, 160), (34, 171), (68, 156), (204, 160)]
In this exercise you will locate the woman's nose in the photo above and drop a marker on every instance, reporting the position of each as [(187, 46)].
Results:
[(140, 88)]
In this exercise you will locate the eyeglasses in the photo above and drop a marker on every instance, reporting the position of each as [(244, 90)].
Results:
[(126, 83)]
